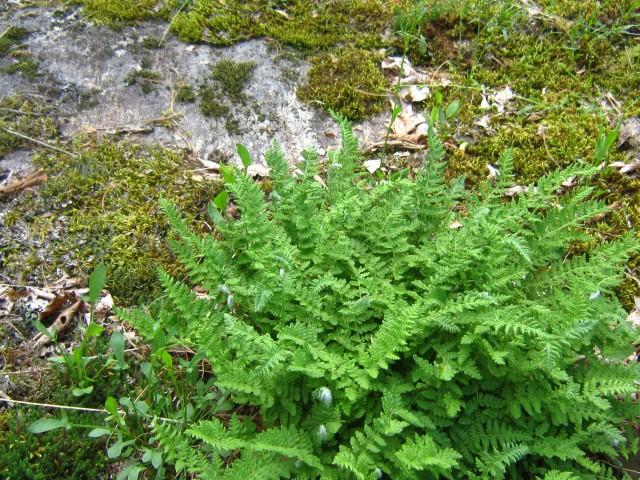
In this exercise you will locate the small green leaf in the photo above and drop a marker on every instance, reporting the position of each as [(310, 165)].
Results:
[(156, 460), (99, 432), (227, 173), (96, 283), (435, 115), (117, 347), (245, 156), (46, 424), (214, 213), (78, 392), (452, 109), (221, 200), (166, 359), (142, 407), (93, 330), (146, 457), (126, 402), (115, 450), (145, 368), (111, 406)]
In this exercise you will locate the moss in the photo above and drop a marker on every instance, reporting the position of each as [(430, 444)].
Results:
[(24, 116), (57, 454), (185, 94), (151, 42), (210, 102), (232, 77), (300, 23), (112, 12), (347, 81), (28, 68), (11, 38), (144, 77), (103, 206)]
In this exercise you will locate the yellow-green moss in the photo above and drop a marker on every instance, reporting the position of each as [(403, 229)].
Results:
[(23, 116), (103, 207), (12, 38), (114, 11), (300, 23), (211, 104), (232, 76), (29, 68), (347, 81), (185, 94)]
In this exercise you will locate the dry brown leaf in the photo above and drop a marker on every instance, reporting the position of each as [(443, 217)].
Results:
[(36, 178), (53, 307), (61, 324)]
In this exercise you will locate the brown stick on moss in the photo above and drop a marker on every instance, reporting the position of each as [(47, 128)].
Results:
[(36, 178)]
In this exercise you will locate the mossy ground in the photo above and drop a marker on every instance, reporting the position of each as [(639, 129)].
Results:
[(26, 116), (347, 81), (11, 39), (102, 206), (222, 89), (573, 65), (574, 68), (57, 454)]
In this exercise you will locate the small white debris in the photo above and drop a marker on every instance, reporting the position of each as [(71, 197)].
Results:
[(372, 166), (257, 170), (516, 190), (493, 172), (455, 225), (484, 122), (503, 96), (414, 93), (595, 295), (325, 396), (634, 316)]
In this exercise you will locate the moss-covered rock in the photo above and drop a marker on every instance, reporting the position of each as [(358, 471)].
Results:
[(114, 11), (102, 206), (25, 116), (347, 81)]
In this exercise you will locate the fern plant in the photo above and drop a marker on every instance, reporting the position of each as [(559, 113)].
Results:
[(405, 330)]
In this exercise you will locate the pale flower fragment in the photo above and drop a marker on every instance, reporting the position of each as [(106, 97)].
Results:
[(634, 316), (372, 166)]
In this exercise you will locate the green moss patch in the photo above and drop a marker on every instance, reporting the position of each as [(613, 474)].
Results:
[(116, 11), (57, 454), (11, 39), (232, 77), (299, 23), (185, 94), (347, 81), (103, 207), (27, 67), (25, 116)]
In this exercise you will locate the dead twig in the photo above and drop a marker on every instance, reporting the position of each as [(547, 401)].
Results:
[(36, 178), (39, 142), (5, 398), (61, 324), (22, 112)]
